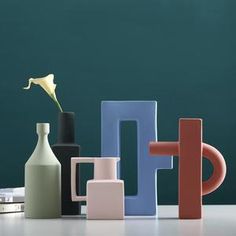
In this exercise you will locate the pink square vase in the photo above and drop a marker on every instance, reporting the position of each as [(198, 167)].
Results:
[(105, 199)]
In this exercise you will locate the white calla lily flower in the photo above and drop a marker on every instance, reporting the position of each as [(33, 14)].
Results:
[(47, 83)]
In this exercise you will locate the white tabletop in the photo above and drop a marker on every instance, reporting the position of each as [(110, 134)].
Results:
[(217, 221)]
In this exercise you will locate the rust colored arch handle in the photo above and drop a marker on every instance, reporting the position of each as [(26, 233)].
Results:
[(209, 152), (219, 172)]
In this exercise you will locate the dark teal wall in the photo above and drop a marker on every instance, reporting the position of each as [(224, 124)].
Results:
[(180, 53)]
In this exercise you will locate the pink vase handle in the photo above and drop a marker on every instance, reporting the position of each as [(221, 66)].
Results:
[(219, 170), (74, 162)]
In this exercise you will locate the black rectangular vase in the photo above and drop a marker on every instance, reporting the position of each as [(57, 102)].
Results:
[(64, 149)]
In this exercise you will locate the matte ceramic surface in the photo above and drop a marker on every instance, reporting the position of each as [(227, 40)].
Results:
[(190, 150), (105, 194), (105, 199), (66, 128), (42, 179), (145, 114), (64, 149)]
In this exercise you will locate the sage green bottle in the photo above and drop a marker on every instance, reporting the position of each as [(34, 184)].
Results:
[(43, 179)]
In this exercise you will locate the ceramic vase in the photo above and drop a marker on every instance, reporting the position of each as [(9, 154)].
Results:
[(64, 149), (105, 193), (42, 179)]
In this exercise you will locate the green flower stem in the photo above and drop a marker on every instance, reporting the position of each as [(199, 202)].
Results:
[(53, 96), (59, 106)]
